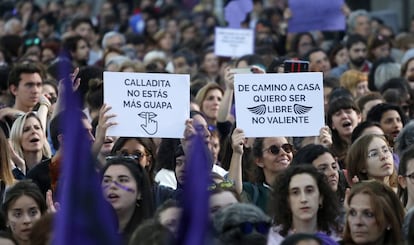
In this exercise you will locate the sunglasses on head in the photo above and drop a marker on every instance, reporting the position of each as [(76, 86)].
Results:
[(223, 185), (135, 156), (274, 149)]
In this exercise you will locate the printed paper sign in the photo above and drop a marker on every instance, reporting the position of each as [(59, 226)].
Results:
[(316, 15), (284, 104), (147, 104), (233, 42)]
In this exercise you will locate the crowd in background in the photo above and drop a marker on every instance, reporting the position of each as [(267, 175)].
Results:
[(351, 184)]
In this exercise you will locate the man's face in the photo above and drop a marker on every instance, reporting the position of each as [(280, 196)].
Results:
[(181, 66), (84, 30), (358, 54), (28, 91), (319, 62)]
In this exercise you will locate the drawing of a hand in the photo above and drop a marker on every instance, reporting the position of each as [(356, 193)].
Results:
[(150, 126)]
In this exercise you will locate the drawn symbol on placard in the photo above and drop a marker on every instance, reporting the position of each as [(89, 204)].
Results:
[(259, 110), (150, 126), (301, 109)]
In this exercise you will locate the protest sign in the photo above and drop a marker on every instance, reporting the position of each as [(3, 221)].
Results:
[(147, 104), (284, 104), (316, 15), (233, 42)]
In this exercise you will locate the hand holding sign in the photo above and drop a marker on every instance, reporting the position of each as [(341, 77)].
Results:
[(150, 126)]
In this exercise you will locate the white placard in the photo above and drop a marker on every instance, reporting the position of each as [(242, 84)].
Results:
[(284, 104), (147, 104), (233, 42)]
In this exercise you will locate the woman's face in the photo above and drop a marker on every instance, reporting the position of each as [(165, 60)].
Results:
[(380, 163), (21, 215), (211, 103), (211, 64), (274, 163), (166, 43), (304, 198), (170, 218), (406, 181), (344, 121), (133, 147), (409, 74), (120, 187), (33, 138), (362, 222), (342, 57), (361, 89), (391, 123), (327, 164), (82, 51), (221, 200), (215, 147), (382, 51), (304, 45)]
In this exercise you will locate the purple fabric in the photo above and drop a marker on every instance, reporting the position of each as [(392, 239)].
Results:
[(326, 240), (316, 15), (236, 11), (85, 217), (195, 197)]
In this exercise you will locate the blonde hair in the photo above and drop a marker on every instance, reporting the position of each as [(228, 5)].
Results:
[(17, 132), (202, 93)]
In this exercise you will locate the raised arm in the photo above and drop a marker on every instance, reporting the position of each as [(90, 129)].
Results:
[(235, 170), (227, 101)]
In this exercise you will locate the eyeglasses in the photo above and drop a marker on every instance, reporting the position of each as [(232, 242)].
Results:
[(375, 153), (224, 185), (274, 149), (248, 227), (411, 177)]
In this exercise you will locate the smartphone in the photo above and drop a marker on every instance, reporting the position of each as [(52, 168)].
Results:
[(296, 66), (246, 70)]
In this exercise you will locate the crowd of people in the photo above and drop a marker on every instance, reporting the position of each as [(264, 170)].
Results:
[(351, 184)]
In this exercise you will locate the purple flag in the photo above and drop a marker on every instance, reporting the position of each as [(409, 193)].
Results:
[(236, 11), (195, 197), (84, 217)]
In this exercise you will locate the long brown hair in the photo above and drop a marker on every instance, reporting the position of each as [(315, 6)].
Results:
[(356, 159), (5, 174), (386, 207)]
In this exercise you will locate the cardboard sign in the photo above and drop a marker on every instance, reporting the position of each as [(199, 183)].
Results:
[(316, 15), (233, 42), (283, 104), (147, 104)]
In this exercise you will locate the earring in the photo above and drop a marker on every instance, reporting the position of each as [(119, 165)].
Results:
[(388, 228)]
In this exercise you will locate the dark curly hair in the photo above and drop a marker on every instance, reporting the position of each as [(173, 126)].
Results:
[(281, 212)]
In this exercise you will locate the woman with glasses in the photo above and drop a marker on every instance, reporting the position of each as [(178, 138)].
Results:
[(375, 215), (370, 157), (303, 202), (141, 149), (406, 178), (127, 188), (272, 155)]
